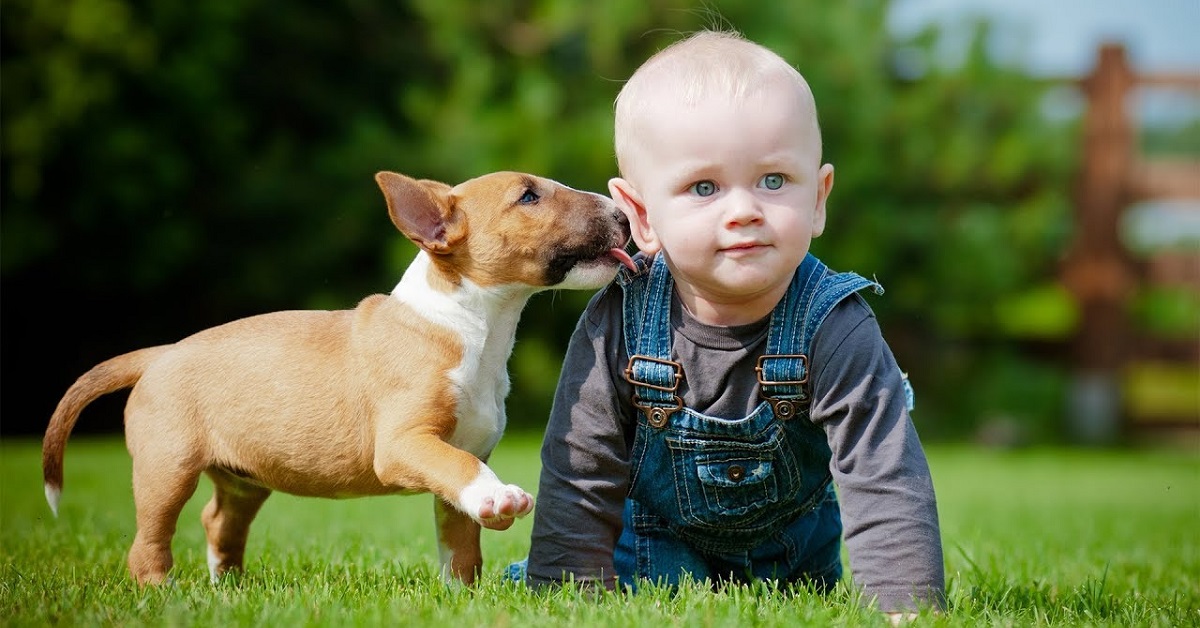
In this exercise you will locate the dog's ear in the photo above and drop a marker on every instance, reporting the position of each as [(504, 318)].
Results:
[(421, 210)]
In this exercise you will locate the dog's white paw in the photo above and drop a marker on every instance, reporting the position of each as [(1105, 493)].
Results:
[(494, 505), (214, 564), (504, 505)]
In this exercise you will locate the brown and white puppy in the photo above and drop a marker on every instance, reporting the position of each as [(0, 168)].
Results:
[(403, 394)]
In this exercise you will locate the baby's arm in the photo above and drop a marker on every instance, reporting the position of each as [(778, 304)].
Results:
[(585, 469), (888, 507)]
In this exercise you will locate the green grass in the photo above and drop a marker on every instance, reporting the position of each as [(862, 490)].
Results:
[(1038, 537)]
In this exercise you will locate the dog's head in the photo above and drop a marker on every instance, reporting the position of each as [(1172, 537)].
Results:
[(510, 228)]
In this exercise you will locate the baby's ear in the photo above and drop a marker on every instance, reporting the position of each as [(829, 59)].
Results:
[(824, 187), (630, 203)]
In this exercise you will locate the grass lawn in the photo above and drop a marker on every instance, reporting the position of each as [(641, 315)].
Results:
[(1037, 537)]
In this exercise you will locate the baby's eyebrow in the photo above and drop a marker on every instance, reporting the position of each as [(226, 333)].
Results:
[(694, 165), (693, 172), (781, 159)]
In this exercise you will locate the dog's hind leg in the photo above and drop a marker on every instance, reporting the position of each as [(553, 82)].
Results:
[(458, 543), (227, 518), (161, 487)]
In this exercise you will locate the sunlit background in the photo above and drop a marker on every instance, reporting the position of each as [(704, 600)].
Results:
[(167, 167)]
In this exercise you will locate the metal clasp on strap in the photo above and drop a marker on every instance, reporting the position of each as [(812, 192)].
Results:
[(656, 415), (784, 407)]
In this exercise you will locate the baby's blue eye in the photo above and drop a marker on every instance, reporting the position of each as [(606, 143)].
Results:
[(704, 188), (772, 181)]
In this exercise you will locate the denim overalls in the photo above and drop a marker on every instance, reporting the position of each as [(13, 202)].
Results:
[(720, 498)]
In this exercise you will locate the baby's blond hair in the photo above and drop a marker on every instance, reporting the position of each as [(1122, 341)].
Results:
[(707, 64)]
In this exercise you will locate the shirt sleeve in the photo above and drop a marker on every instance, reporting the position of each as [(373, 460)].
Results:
[(585, 460), (889, 511)]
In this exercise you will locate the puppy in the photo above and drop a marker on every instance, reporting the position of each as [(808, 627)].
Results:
[(403, 394)]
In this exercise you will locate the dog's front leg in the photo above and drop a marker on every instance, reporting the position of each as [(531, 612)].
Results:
[(423, 461), (427, 463), (458, 543)]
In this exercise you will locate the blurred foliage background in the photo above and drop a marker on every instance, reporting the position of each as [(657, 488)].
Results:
[(167, 167)]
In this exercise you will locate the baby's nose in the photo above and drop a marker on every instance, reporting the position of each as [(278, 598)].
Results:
[(742, 206)]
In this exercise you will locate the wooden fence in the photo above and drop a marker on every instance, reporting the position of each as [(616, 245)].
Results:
[(1100, 272)]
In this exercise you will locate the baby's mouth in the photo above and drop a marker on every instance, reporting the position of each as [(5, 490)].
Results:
[(743, 247)]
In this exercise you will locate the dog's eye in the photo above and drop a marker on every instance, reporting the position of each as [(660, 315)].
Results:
[(528, 198)]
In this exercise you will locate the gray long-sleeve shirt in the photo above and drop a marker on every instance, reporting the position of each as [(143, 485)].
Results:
[(884, 487)]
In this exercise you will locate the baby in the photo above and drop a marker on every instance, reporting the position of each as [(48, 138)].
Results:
[(714, 397)]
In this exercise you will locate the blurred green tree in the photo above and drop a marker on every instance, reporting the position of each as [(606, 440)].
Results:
[(169, 167)]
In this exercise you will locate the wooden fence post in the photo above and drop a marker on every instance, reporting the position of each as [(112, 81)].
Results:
[(1098, 270), (1098, 267)]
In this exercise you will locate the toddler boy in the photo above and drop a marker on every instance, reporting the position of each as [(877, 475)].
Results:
[(712, 399)]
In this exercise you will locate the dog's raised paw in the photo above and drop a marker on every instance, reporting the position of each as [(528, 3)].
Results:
[(503, 506)]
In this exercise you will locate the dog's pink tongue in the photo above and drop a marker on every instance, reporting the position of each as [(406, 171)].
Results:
[(624, 258)]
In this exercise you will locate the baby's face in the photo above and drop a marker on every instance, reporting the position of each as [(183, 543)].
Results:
[(733, 192)]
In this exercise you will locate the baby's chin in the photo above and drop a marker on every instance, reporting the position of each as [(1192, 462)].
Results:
[(733, 299)]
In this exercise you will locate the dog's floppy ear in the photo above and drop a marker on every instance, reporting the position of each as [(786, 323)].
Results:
[(421, 210)]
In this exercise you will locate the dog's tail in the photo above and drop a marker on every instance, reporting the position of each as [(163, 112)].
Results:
[(112, 375)]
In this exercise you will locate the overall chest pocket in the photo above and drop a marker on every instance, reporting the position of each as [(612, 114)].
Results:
[(730, 484)]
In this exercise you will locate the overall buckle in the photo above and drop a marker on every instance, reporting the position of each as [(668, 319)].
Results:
[(656, 415), (784, 408)]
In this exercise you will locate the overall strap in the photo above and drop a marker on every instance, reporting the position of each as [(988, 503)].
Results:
[(647, 326), (784, 369)]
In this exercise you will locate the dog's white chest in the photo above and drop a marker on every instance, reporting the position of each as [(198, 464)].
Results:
[(485, 322), (482, 388)]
